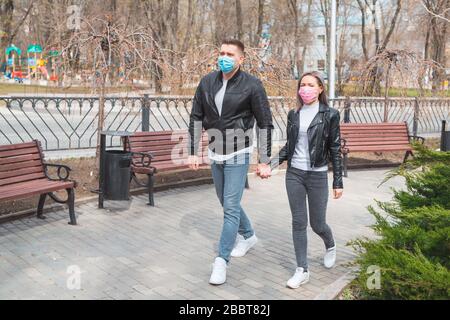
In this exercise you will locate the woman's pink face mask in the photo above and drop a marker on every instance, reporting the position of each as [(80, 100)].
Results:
[(308, 94)]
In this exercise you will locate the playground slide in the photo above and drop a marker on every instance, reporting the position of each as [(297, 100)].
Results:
[(44, 71)]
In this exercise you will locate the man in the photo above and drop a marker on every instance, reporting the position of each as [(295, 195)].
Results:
[(226, 104)]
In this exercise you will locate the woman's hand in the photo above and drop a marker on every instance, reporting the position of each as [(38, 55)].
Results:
[(337, 193), (263, 171)]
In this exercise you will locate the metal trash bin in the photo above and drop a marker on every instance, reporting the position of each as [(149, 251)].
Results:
[(117, 171), (445, 138)]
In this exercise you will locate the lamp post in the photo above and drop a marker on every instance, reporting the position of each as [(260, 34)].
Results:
[(332, 71)]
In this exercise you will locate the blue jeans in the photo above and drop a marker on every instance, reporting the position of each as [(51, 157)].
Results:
[(229, 179)]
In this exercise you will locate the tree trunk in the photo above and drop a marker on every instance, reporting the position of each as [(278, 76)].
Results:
[(260, 22), (239, 19), (6, 17), (374, 87)]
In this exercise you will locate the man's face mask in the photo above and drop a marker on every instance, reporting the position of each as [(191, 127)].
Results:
[(226, 64)]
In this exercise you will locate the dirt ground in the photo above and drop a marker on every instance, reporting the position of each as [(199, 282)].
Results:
[(84, 171)]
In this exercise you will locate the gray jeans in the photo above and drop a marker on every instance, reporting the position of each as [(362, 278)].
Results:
[(314, 185)]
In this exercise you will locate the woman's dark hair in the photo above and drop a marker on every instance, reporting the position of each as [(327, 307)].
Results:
[(323, 96)]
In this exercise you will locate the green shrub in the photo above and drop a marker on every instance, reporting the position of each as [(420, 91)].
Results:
[(426, 228), (403, 274), (428, 188), (413, 248)]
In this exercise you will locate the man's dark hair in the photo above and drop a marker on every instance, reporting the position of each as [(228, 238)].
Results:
[(235, 42)]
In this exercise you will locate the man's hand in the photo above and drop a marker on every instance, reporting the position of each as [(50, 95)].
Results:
[(263, 170), (194, 163), (337, 193)]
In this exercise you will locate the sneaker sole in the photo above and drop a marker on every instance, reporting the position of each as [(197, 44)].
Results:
[(296, 287), (216, 284), (240, 256)]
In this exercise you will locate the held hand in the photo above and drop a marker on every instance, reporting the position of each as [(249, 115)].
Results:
[(337, 193), (193, 162), (263, 170)]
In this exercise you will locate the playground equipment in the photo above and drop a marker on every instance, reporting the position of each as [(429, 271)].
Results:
[(13, 56), (51, 57), (35, 62), (35, 66)]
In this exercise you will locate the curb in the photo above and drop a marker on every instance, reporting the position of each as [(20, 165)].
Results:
[(335, 289)]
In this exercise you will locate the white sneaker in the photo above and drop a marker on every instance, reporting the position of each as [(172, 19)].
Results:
[(300, 277), (219, 273), (238, 239), (330, 258), (243, 246)]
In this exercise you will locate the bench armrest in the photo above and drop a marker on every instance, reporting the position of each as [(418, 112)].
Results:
[(417, 138), (63, 172), (144, 155)]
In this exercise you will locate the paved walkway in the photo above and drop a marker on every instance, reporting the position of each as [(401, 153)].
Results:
[(166, 252)]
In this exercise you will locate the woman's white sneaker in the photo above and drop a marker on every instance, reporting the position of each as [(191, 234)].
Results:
[(219, 273), (300, 277), (243, 246), (330, 258)]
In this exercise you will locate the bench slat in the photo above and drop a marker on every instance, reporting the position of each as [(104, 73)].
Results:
[(21, 172), (19, 165), (372, 130), (20, 185), (365, 127), (22, 158), (157, 133), (18, 146), (158, 148), (150, 146), (379, 124), (29, 177), (150, 143), (378, 149), (31, 188), (373, 144), (18, 152), (374, 135), (381, 138)]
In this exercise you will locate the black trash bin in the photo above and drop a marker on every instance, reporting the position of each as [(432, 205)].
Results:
[(445, 138), (117, 170)]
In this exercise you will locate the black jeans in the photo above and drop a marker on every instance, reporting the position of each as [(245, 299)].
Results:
[(314, 185)]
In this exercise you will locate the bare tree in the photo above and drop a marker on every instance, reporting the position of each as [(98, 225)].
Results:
[(380, 45), (256, 38), (8, 24), (102, 39), (240, 30), (437, 35)]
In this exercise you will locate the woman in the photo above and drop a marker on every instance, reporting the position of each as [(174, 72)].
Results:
[(313, 139)]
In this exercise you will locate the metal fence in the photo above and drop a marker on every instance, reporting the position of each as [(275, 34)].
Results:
[(63, 123)]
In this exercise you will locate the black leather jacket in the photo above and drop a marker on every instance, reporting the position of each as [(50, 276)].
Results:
[(245, 99), (324, 141)]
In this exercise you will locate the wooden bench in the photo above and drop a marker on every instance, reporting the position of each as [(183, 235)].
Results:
[(159, 151), (375, 137), (23, 173)]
